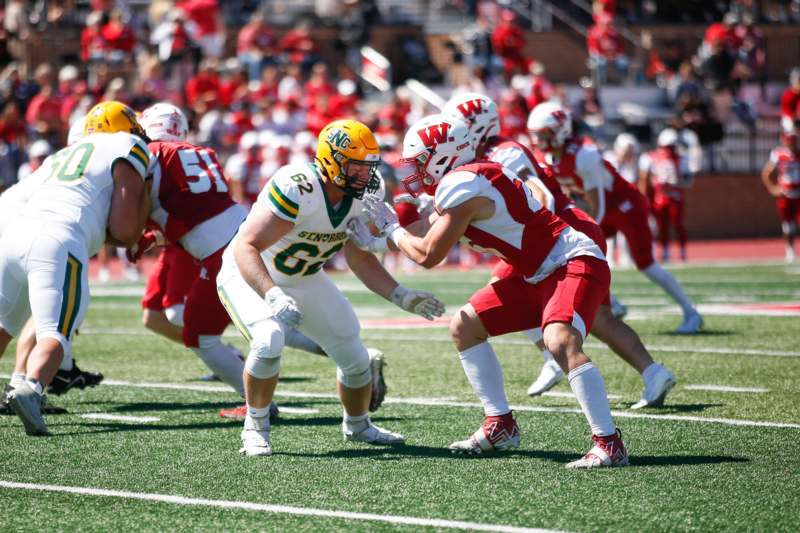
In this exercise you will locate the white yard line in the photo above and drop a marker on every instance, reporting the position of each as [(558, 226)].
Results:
[(121, 418), (515, 342), (298, 410), (724, 388), (442, 402), (565, 394), (275, 509)]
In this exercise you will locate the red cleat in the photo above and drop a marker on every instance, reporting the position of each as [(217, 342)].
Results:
[(496, 433), (607, 451), (240, 413)]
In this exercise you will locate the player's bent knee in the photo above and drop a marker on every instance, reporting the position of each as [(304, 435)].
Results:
[(352, 362), (264, 359), (466, 328)]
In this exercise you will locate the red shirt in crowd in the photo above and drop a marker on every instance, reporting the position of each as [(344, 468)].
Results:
[(118, 37), (604, 40), (93, 43), (44, 108), (790, 103), (204, 86), (204, 13)]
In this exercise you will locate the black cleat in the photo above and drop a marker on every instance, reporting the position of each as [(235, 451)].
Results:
[(5, 408), (68, 379)]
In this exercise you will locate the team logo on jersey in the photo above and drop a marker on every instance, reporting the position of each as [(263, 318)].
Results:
[(471, 108), (435, 134), (339, 139)]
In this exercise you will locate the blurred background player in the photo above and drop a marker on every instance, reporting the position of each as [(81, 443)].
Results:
[(243, 170), (665, 171), (781, 177), (94, 191), (480, 114), (615, 204)]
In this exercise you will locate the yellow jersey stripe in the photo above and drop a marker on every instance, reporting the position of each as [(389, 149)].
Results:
[(278, 199)]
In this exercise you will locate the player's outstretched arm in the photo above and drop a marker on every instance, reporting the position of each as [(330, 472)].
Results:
[(432, 248), (261, 230), (374, 276), (130, 205)]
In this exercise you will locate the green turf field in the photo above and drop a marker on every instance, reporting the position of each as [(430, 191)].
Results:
[(710, 460)]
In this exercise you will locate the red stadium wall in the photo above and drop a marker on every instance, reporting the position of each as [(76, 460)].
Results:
[(730, 206)]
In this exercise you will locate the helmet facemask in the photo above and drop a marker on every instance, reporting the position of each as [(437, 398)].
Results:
[(356, 177)]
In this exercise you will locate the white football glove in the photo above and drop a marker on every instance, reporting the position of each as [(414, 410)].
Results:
[(423, 202), (383, 217), (422, 303), (358, 232), (284, 308)]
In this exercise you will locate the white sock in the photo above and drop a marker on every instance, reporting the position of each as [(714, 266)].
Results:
[(17, 379), (258, 412), (590, 390), (658, 275), (547, 356), (356, 423), (221, 360), (35, 385), (650, 371), (484, 374), (66, 362), (295, 339)]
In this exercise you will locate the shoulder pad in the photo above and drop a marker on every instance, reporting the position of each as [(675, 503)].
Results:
[(292, 191)]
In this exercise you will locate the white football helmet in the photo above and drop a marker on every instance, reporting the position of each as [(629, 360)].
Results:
[(433, 146), (550, 125), (164, 122), (480, 114), (668, 137)]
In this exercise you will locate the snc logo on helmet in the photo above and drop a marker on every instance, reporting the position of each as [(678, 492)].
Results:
[(339, 139)]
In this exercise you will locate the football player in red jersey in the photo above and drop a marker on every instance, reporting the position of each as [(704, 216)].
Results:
[(665, 170), (563, 278), (480, 114), (578, 165), (195, 214), (781, 177)]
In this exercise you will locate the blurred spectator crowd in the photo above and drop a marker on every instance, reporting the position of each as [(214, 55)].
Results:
[(259, 94)]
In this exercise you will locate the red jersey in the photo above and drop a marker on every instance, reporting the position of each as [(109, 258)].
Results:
[(666, 175), (190, 198), (521, 231), (521, 161), (582, 168), (787, 163)]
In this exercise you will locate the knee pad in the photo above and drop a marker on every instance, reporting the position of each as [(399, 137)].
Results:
[(175, 315), (264, 359), (352, 363)]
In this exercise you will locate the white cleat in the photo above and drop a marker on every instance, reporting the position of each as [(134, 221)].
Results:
[(656, 389), (372, 434), (692, 323), (549, 376), (790, 257), (255, 437), (27, 405), (376, 364)]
